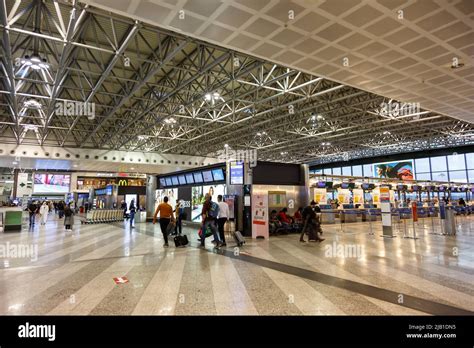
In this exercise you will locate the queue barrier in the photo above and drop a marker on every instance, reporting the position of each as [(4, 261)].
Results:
[(103, 216)]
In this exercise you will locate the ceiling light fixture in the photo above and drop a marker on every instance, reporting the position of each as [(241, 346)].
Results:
[(170, 120), (32, 104), (35, 62)]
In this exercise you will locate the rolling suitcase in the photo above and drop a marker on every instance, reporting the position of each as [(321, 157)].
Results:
[(181, 241), (239, 239)]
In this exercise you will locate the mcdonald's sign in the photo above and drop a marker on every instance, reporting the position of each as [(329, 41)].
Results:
[(123, 182)]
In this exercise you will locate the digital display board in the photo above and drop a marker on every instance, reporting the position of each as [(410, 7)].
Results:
[(182, 180), (442, 188), (416, 188), (237, 173), (402, 170), (218, 174), (321, 184), (366, 186), (347, 185), (189, 178), (51, 183), (175, 180), (207, 175), (197, 177)]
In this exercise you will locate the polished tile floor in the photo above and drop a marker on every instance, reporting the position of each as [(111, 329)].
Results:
[(352, 272)]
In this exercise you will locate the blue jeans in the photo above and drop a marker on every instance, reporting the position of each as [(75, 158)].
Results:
[(213, 227), (32, 219), (132, 216)]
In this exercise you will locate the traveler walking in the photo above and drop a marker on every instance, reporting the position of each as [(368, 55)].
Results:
[(311, 222), (223, 218), (166, 216), (209, 214), (180, 216), (133, 210), (68, 218), (61, 207), (44, 210), (32, 210)]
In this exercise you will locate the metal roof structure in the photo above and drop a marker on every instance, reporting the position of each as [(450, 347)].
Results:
[(76, 76)]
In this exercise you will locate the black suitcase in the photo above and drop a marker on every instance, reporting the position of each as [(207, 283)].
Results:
[(181, 241), (239, 239)]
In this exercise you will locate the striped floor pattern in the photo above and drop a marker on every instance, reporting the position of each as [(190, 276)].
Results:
[(352, 272)]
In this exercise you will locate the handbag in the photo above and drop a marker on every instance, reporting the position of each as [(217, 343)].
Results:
[(170, 227)]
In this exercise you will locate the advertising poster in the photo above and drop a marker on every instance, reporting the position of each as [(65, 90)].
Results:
[(236, 173), (172, 195), (402, 170), (320, 196), (384, 194), (358, 196), (197, 198), (260, 215), (344, 196), (230, 200), (51, 183)]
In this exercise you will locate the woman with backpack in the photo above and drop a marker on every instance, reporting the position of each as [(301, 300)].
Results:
[(68, 218)]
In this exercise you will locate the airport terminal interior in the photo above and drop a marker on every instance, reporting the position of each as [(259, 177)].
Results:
[(237, 157)]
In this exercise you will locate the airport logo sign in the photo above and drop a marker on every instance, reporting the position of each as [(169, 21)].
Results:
[(19, 251), (230, 155), (75, 108)]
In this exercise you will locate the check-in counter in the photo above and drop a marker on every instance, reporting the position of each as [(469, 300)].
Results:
[(328, 216), (348, 215)]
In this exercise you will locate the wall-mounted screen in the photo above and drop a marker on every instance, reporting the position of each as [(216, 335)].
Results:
[(207, 175), (197, 177), (442, 188), (430, 188), (169, 182), (453, 189), (175, 180), (218, 174), (162, 182), (182, 180), (347, 185), (402, 170), (366, 186), (189, 178), (237, 173), (321, 184), (51, 183), (416, 188), (401, 187)]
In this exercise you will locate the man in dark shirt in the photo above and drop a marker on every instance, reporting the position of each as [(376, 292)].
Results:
[(309, 216), (32, 210)]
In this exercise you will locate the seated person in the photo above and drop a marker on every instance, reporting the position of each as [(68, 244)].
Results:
[(298, 217), (274, 223), (283, 217)]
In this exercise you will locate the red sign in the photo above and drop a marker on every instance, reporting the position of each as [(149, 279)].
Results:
[(121, 280), (414, 212)]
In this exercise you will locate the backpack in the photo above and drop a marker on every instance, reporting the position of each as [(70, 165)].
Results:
[(213, 210)]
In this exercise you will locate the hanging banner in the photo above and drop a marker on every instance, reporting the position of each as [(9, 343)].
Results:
[(384, 194)]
